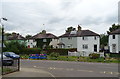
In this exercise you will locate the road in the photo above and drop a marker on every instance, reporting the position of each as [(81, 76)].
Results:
[(73, 69)]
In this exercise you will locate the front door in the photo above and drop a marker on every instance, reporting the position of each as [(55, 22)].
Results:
[(114, 48), (95, 48)]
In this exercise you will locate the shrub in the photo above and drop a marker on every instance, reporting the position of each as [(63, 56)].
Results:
[(30, 51), (94, 55), (116, 55), (61, 51), (54, 54)]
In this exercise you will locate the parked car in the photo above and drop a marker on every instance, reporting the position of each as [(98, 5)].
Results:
[(6, 60), (11, 55)]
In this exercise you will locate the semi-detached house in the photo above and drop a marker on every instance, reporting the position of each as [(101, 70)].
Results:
[(85, 41), (114, 41)]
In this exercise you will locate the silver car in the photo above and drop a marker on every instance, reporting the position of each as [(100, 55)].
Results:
[(6, 61)]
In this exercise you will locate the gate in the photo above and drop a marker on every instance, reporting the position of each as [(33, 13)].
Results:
[(6, 69)]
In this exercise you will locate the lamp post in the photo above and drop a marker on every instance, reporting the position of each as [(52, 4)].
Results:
[(2, 41)]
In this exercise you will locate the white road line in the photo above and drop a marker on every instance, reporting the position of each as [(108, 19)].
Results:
[(85, 70)]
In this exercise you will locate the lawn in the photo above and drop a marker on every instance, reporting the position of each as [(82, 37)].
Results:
[(80, 59)]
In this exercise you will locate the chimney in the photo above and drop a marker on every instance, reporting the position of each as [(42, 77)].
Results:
[(79, 28)]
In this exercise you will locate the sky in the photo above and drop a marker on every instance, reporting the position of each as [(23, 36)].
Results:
[(54, 16)]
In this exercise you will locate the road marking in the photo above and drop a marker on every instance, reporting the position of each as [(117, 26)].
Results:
[(112, 73), (34, 66), (85, 70), (69, 69)]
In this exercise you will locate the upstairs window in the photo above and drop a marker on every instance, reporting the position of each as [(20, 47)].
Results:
[(95, 37), (85, 38), (113, 36), (69, 38), (44, 40)]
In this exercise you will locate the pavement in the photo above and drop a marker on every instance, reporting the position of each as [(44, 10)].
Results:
[(29, 72)]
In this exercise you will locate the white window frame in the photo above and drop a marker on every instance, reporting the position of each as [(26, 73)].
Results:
[(44, 40), (85, 46)]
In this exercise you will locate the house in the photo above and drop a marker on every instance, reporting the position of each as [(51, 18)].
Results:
[(31, 43), (114, 41), (44, 39), (54, 42), (85, 41), (16, 37)]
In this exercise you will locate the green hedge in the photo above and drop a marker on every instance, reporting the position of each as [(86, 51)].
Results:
[(30, 51), (116, 55), (60, 51)]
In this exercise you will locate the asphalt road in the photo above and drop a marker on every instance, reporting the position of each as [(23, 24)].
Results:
[(73, 69)]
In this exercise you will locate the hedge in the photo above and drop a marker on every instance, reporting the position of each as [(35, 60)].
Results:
[(60, 51), (28, 51), (116, 55)]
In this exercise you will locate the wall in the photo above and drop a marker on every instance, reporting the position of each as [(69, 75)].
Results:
[(30, 43), (54, 43), (90, 41), (72, 42)]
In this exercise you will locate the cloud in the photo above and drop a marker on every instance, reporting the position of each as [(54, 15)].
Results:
[(28, 17)]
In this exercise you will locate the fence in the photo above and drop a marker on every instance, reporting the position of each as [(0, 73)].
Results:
[(15, 66)]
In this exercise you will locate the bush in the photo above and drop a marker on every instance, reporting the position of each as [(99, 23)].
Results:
[(94, 55), (30, 51), (14, 46), (116, 55), (60, 51), (54, 54)]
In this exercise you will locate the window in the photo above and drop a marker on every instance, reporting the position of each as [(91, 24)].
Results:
[(85, 46), (69, 37), (44, 40), (33, 40), (113, 36), (85, 38), (95, 37)]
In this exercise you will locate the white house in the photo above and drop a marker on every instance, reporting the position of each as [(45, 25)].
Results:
[(54, 42), (88, 42), (114, 41), (85, 41), (31, 43)]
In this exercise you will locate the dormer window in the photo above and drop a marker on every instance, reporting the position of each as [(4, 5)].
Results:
[(113, 36)]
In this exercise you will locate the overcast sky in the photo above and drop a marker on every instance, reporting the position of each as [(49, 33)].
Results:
[(32, 16)]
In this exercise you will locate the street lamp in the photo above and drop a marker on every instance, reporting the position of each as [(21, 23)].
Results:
[(2, 41)]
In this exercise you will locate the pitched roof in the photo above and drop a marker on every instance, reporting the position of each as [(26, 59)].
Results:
[(115, 32), (15, 37), (47, 35), (80, 33)]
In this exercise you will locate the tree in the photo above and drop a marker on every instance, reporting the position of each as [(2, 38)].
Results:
[(28, 36), (113, 28), (14, 46), (69, 29), (103, 40), (43, 32), (7, 34)]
